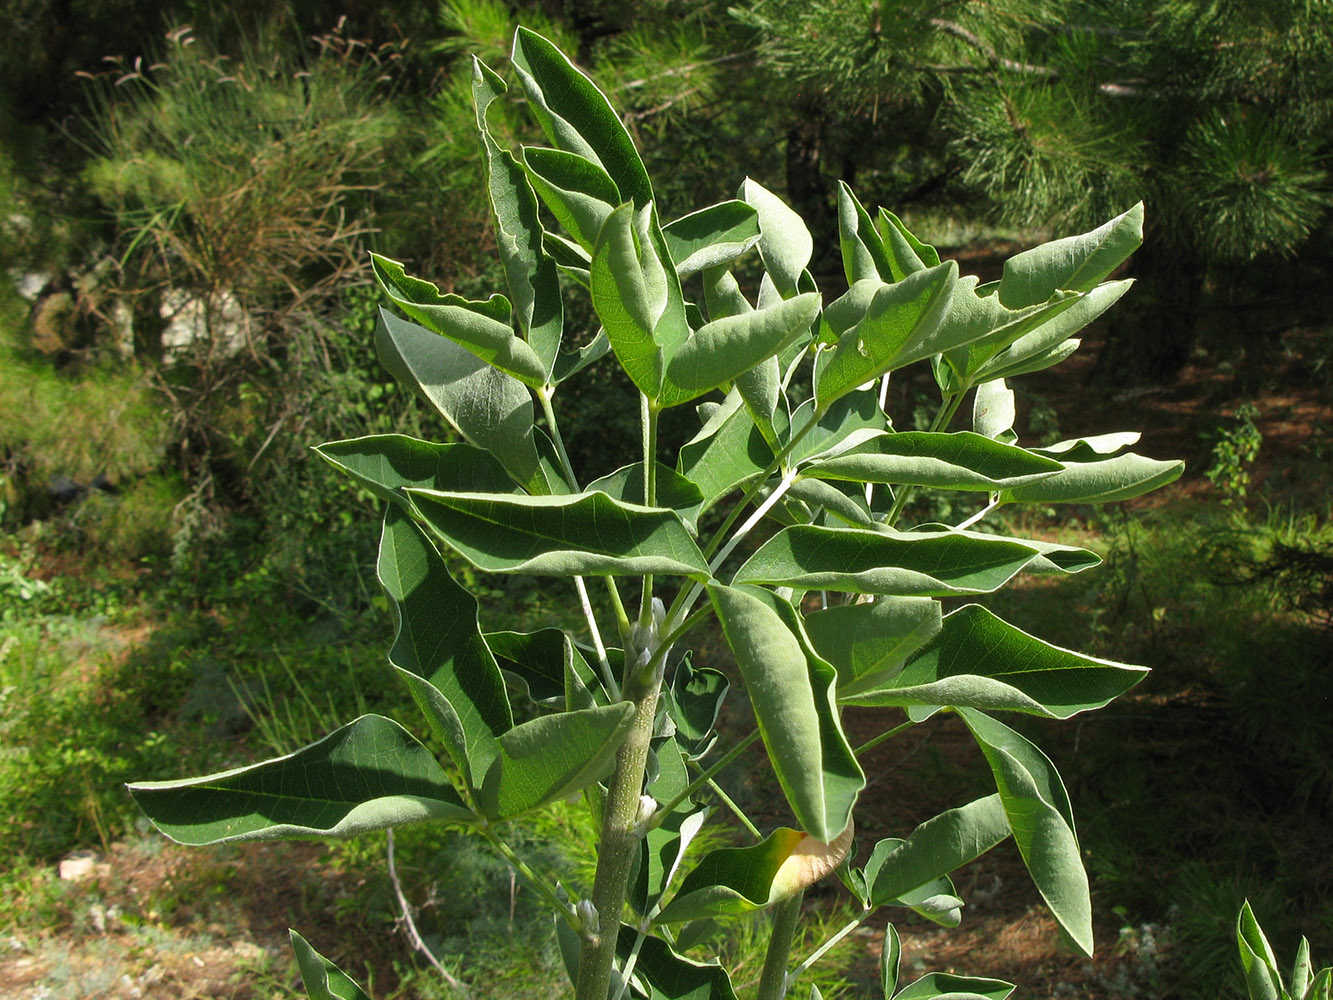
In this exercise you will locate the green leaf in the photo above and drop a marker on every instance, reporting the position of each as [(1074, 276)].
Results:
[(903, 564), (1120, 478), (983, 326), (719, 351), (587, 534), (785, 244), (850, 420), (662, 850), (571, 363), (492, 410), (761, 389), (671, 976), (906, 253), (863, 254), (1050, 341), (711, 236), (548, 667), (728, 452), (482, 327), (791, 691), (993, 410), (943, 986), (674, 491), (552, 757), (576, 191), (323, 980), (637, 299), (847, 505), (438, 649), (869, 643), (532, 275), (1301, 970), (902, 324), (368, 775), (385, 463), (935, 848), (890, 955), (730, 881), (1076, 263), (1262, 979), (960, 460), (1090, 449), (1037, 806), (696, 699), (980, 661), (576, 116), (723, 295)]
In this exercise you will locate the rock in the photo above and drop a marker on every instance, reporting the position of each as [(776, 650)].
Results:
[(79, 865)]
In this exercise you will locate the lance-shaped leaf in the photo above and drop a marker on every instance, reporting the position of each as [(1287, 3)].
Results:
[(944, 986), (718, 352), (552, 757), (490, 409), (984, 327), (902, 324), (696, 699), (661, 852), (906, 253), (1120, 478), (735, 880), (1262, 979), (674, 491), (847, 505), (532, 275), (904, 564), (587, 534), (961, 460), (785, 244), (385, 463), (1037, 806), (980, 661), (891, 953), (1090, 449), (1076, 263), (635, 296), (863, 254), (937, 847), (322, 979), (1049, 341), (711, 236), (852, 419), (761, 389), (671, 976), (547, 667), (869, 643), (728, 452), (482, 327), (368, 775), (576, 191), (1051, 557), (438, 649), (576, 116), (993, 411), (791, 691)]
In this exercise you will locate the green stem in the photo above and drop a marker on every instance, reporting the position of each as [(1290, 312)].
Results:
[(704, 778), (736, 810), (773, 981), (618, 848), (648, 412), (529, 876), (941, 421), (883, 736), (544, 397), (823, 949)]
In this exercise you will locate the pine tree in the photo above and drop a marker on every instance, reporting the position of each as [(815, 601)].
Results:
[(1215, 113)]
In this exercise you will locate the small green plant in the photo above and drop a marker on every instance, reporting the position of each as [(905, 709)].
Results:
[(1262, 979), (779, 521), (1234, 451)]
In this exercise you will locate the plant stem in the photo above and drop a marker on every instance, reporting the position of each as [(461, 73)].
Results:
[(603, 663), (544, 396), (529, 876), (883, 736), (618, 847), (736, 810), (664, 811), (648, 412), (778, 492), (773, 981), (941, 421), (823, 949)]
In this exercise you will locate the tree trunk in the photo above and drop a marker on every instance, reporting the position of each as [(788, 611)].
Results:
[(1153, 331)]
